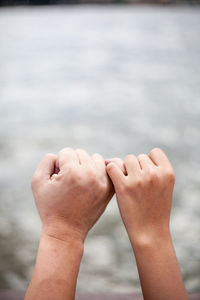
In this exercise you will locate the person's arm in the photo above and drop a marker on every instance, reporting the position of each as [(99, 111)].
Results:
[(56, 269), (144, 193), (71, 192)]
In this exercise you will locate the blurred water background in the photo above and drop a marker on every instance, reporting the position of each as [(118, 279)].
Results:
[(114, 80)]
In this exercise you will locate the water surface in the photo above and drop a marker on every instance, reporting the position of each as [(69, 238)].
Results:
[(114, 80)]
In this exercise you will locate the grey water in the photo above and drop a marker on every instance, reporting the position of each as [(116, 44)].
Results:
[(109, 79)]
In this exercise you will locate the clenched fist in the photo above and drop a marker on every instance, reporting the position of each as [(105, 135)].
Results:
[(144, 193), (71, 192)]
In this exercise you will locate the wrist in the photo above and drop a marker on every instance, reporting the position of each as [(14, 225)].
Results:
[(67, 238), (63, 231), (147, 240)]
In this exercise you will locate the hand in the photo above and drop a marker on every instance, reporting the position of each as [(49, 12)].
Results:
[(144, 188), (71, 192), (144, 193)]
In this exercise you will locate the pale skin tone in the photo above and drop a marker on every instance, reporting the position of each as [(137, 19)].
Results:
[(71, 192), (144, 187)]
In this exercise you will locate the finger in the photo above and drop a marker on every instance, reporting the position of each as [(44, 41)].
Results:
[(159, 157), (115, 174), (131, 164), (145, 162), (67, 156), (118, 161), (101, 167), (99, 162), (46, 167), (84, 157)]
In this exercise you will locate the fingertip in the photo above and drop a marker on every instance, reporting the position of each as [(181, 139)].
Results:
[(159, 157), (110, 165), (113, 168), (156, 150), (51, 156)]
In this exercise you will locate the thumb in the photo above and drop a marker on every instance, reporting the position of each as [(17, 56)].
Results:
[(46, 167), (115, 173)]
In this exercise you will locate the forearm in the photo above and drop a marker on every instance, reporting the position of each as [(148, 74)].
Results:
[(56, 269), (158, 268)]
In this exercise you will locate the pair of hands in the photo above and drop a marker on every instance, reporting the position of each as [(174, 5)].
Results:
[(72, 190)]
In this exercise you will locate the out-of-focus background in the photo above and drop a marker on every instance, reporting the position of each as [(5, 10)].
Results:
[(111, 79)]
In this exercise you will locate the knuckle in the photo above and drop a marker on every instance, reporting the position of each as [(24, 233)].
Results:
[(127, 188), (167, 176), (73, 177), (34, 180), (92, 180), (138, 183), (97, 156), (142, 155), (71, 171), (129, 156), (152, 177), (170, 176), (91, 176), (119, 161)]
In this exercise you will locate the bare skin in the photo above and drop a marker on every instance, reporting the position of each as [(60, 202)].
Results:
[(144, 188), (71, 192)]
